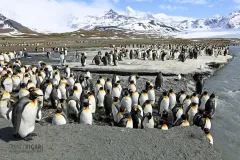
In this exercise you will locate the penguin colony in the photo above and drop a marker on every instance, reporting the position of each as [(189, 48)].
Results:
[(158, 52), (25, 89)]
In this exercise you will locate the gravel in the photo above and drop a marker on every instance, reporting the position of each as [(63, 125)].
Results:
[(74, 141)]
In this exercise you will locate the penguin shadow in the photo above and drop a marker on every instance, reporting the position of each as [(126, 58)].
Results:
[(6, 134)]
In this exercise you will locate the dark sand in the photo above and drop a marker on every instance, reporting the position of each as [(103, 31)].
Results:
[(96, 142)]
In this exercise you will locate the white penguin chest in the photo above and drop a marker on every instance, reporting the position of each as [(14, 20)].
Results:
[(86, 117)]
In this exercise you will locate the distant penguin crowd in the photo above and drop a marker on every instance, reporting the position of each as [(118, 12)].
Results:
[(162, 52), (27, 89)]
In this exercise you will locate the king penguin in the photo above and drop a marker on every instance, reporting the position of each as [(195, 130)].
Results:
[(115, 109), (24, 114), (100, 97), (147, 121), (59, 118), (147, 107), (126, 121), (8, 83), (209, 136), (151, 94), (172, 99), (159, 81), (127, 102), (163, 103), (116, 92), (108, 102), (181, 97), (16, 82), (203, 100), (92, 102), (143, 97), (136, 117), (186, 103), (194, 98), (97, 87), (108, 85), (5, 106), (191, 111), (132, 86), (86, 115)]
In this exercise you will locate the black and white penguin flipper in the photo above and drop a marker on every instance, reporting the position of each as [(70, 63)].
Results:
[(159, 103), (188, 108), (18, 108)]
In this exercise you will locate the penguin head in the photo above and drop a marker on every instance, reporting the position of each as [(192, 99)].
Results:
[(212, 96), (101, 88), (23, 85), (206, 131), (150, 87), (126, 93), (33, 95), (194, 104), (61, 100), (148, 101), (108, 80), (98, 81), (29, 81), (100, 77), (144, 91), (115, 99), (171, 91), (127, 115), (131, 82), (164, 94), (123, 109), (205, 93), (86, 104), (134, 108), (108, 91), (59, 110), (194, 94), (182, 92), (165, 113), (75, 88), (31, 89), (184, 117)]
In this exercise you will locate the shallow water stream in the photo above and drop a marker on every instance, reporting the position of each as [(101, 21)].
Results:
[(226, 124)]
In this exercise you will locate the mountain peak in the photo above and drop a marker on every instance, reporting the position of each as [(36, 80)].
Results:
[(111, 12), (149, 15), (130, 11)]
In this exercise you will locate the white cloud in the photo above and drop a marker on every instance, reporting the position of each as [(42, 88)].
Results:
[(51, 14), (190, 1), (171, 8)]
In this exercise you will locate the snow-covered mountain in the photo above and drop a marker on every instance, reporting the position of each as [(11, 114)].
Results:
[(231, 21), (129, 20), (159, 23), (8, 26)]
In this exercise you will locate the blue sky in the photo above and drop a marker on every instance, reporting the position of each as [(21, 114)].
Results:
[(189, 8)]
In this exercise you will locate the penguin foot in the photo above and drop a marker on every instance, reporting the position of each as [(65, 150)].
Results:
[(16, 135), (32, 134), (28, 138)]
